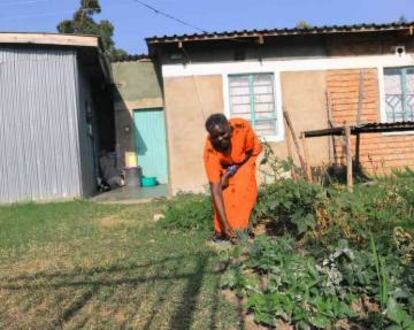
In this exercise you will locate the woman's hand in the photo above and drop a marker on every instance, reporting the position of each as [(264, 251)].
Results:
[(231, 170), (229, 232), (225, 180)]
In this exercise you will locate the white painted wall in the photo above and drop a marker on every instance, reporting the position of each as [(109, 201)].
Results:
[(225, 69)]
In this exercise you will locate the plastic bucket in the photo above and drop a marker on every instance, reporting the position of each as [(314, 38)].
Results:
[(132, 176)]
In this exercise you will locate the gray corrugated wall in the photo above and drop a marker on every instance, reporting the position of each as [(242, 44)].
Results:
[(39, 147), (87, 142)]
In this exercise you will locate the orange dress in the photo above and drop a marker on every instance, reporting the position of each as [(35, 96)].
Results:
[(241, 194)]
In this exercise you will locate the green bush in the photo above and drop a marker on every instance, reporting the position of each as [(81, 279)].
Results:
[(327, 214), (359, 251), (377, 208), (189, 212), (294, 286), (293, 205), (314, 289)]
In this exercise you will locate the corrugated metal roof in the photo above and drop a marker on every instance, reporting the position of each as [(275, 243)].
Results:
[(282, 32), (56, 39), (364, 128), (88, 46), (397, 126)]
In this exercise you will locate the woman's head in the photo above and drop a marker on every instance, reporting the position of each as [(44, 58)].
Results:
[(219, 130)]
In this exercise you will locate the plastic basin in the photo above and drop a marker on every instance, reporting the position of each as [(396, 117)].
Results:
[(149, 181)]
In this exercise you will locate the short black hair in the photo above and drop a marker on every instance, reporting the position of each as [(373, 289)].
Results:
[(214, 120)]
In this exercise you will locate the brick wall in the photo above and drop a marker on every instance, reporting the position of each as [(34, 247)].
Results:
[(379, 153)]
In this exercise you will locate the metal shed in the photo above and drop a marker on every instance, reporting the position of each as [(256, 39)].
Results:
[(48, 112)]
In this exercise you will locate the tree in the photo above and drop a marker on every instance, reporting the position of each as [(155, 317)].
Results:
[(82, 22), (303, 25), (402, 19)]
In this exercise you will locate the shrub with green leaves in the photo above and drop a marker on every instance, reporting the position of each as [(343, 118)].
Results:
[(316, 290), (376, 208), (189, 212), (358, 250), (291, 204), (293, 288)]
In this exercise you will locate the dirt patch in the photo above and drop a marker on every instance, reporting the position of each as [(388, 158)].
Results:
[(364, 306), (371, 306), (32, 266), (268, 227), (113, 222), (230, 296), (120, 318), (219, 247), (260, 229), (110, 222), (249, 323), (105, 312), (36, 266), (342, 325)]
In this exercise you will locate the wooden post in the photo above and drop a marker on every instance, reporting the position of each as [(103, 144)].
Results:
[(348, 148), (360, 96), (289, 151), (306, 153), (358, 151), (331, 125), (295, 141)]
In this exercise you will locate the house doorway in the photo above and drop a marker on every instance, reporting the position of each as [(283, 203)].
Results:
[(151, 143)]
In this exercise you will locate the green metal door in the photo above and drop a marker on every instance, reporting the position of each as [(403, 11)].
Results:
[(151, 143)]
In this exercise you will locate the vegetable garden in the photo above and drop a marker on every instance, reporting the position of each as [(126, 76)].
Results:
[(320, 257)]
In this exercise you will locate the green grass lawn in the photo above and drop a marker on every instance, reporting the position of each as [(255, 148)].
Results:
[(83, 265)]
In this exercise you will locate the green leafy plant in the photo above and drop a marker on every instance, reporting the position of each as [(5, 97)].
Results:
[(189, 212), (293, 287), (291, 204), (274, 167), (382, 278), (398, 316), (365, 280)]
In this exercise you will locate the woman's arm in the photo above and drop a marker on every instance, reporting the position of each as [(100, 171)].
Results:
[(217, 195)]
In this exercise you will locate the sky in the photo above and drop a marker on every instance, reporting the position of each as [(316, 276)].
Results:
[(133, 22)]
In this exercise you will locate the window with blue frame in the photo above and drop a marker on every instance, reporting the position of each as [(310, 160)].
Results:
[(399, 94), (252, 97)]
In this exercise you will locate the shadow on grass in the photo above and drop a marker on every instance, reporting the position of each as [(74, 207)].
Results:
[(215, 306), (115, 268), (169, 273), (182, 319), (73, 308), (240, 312), (162, 296)]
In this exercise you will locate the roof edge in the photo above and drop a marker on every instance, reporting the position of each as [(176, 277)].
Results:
[(316, 30), (53, 39)]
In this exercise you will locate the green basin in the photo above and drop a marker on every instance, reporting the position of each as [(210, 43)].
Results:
[(148, 181)]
